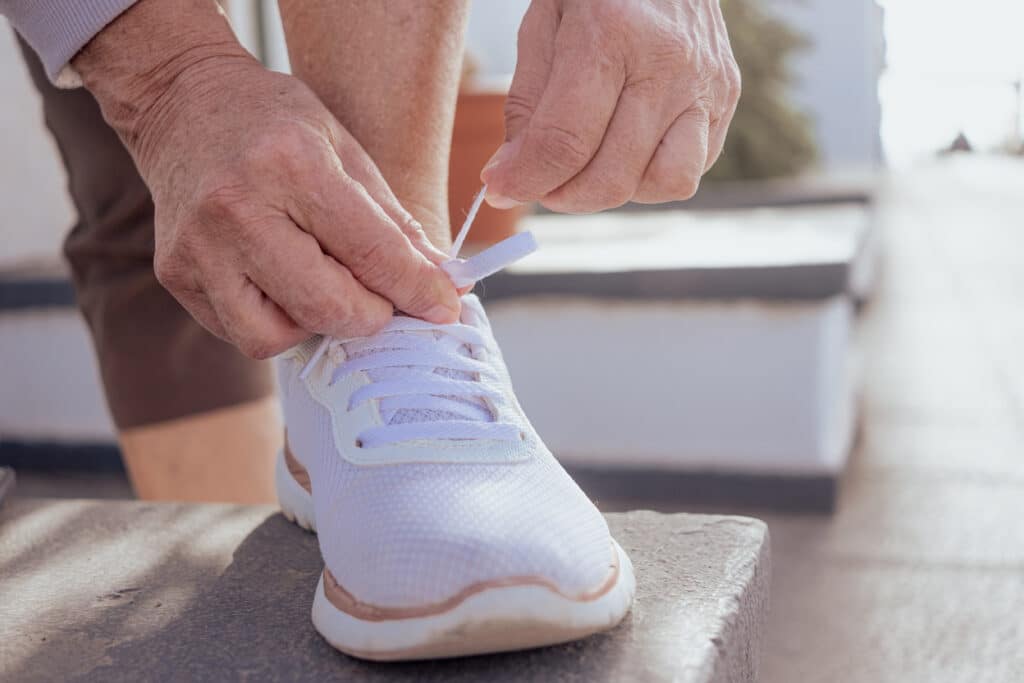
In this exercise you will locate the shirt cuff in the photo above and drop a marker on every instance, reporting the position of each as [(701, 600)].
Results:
[(58, 29)]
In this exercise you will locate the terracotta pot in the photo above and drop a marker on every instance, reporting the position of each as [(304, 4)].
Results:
[(479, 130)]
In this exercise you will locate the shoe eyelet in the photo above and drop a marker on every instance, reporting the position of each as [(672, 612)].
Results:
[(522, 435), (358, 443)]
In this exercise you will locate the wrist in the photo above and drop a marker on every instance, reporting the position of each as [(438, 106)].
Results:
[(152, 60)]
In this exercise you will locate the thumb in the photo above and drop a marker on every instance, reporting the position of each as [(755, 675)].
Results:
[(536, 51)]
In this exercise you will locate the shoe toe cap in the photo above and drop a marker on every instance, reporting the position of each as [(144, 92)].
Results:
[(411, 552)]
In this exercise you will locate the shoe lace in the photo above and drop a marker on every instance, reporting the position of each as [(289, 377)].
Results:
[(429, 379)]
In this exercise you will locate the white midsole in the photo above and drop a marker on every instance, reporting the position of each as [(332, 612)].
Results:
[(521, 616), (500, 618)]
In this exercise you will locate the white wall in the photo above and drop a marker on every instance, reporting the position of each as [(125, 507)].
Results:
[(838, 76), (491, 37)]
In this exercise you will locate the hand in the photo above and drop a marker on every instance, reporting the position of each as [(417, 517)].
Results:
[(614, 101), (272, 223)]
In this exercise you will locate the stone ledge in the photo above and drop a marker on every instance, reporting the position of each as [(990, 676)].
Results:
[(140, 591), (795, 254)]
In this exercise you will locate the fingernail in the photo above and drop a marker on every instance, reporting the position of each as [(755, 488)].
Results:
[(499, 157), (500, 201)]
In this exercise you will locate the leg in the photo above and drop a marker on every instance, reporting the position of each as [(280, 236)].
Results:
[(390, 73), (196, 420)]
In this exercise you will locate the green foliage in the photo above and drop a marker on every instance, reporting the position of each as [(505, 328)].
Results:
[(768, 136)]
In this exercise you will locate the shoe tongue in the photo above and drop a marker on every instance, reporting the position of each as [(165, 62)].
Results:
[(408, 415)]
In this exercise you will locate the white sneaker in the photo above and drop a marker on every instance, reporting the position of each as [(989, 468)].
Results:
[(446, 526)]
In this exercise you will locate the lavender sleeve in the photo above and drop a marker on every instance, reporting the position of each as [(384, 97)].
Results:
[(58, 29)]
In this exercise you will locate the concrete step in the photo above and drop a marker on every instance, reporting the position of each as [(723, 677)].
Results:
[(131, 591), (787, 254), (688, 355), (50, 390)]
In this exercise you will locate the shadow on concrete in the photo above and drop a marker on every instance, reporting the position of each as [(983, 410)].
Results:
[(252, 622)]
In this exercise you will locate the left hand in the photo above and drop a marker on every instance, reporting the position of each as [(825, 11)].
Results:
[(614, 101)]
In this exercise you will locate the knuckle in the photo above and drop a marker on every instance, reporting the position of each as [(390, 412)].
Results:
[(310, 315), (618, 190), (338, 306), (562, 146), (264, 346), (700, 111), (420, 295), (672, 57), (368, 320), (260, 351), (371, 263), (666, 186), (323, 314), (166, 270), (570, 200), (517, 106), (253, 347), (225, 200), (171, 271), (735, 81)]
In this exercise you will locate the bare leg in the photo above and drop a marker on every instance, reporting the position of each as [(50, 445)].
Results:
[(223, 455), (389, 71)]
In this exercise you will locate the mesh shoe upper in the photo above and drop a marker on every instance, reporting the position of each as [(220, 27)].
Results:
[(416, 522)]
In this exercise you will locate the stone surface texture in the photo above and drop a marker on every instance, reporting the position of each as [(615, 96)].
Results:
[(126, 591)]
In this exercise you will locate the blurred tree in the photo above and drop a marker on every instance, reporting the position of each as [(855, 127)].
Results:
[(769, 137)]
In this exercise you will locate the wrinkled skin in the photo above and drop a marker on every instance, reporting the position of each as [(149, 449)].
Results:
[(289, 229), (614, 101), (272, 223)]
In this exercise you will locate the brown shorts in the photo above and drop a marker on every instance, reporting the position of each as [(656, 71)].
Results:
[(157, 363)]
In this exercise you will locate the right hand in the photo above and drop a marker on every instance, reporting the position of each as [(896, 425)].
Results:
[(272, 223)]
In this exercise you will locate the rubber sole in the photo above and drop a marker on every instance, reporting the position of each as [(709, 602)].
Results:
[(498, 619)]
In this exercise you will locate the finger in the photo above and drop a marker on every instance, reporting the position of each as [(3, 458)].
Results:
[(361, 168), (727, 90), (566, 128), (356, 231), (674, 172), (716, 143), (312, 288), (535, 55), (720, 127), (613, 175), (252, 322), (200, 308), (185, 285)]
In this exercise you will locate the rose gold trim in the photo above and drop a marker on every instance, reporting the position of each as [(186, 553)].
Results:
[(295, 468), (344, 601)]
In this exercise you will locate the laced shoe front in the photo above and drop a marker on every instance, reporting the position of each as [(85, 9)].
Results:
[(446, 526)]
